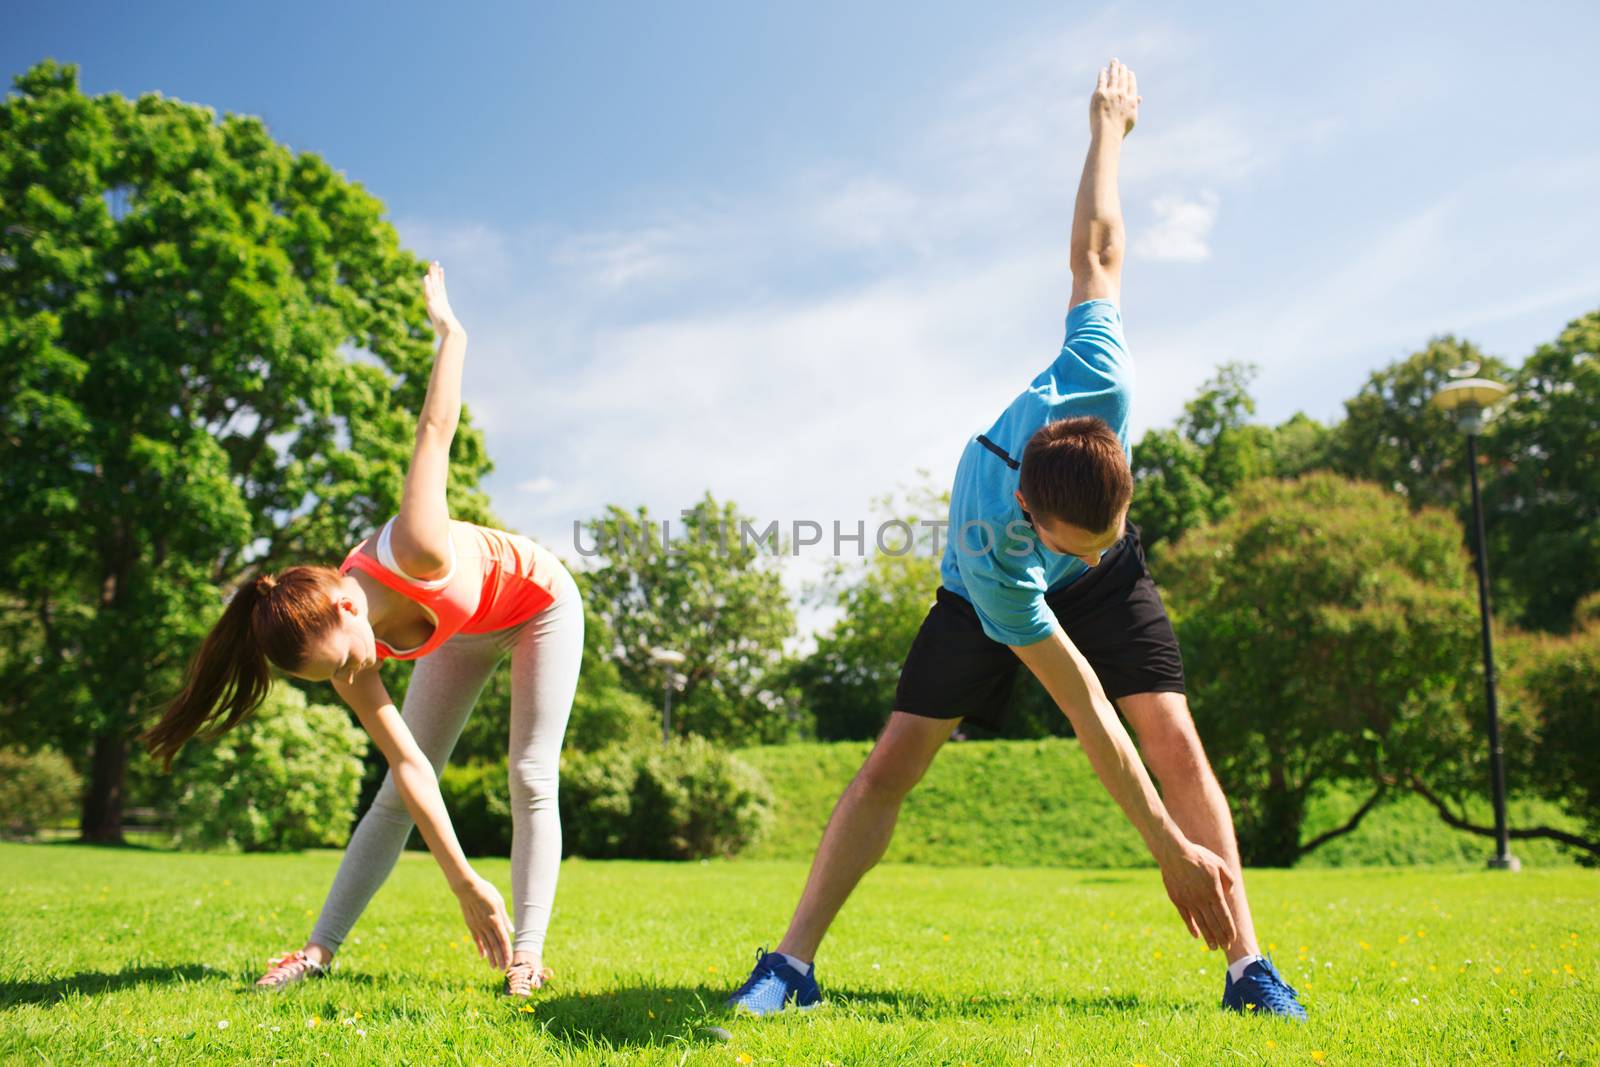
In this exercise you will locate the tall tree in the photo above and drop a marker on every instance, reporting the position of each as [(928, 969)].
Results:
[(1185, 476), (1543, 496), (705, 585), (1392, 433), (1329, 635), (211, 349)]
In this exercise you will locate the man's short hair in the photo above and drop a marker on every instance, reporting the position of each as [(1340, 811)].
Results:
[(1076, 470)]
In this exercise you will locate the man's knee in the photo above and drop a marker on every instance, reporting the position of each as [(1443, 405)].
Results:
[(901, 757)]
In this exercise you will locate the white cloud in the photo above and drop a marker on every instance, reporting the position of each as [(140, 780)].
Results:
[(536, 485), (1180, 229)]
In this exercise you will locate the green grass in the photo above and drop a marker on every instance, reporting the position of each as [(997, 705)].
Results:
[(1038, 803), (111, 956)]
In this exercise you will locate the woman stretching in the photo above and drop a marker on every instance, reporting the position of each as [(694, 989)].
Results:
[(459, 598)]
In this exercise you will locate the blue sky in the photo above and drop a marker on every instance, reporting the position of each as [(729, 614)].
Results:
[(797, 253)]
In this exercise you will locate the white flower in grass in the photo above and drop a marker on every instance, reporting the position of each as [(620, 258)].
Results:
[(222, 1024)]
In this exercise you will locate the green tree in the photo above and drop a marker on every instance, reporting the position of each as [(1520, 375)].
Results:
[(698, 585), (1184, 476), (210, 352), (1542, 494), (1393, 435), (1330, 638), (848, 682)]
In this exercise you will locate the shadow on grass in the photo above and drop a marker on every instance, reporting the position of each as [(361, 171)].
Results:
[(639, 1016), (96, 983)]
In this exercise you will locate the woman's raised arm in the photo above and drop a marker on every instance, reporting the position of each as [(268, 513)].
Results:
[(421, 537)]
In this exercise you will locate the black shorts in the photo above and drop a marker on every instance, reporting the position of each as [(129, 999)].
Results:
[(1113, 615)]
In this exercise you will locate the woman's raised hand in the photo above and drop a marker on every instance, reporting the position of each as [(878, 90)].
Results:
[(443, 318)]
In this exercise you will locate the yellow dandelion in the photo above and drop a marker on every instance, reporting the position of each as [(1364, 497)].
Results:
[(1404, 938), (1422, 933), (650, 1013), (1394, 963), (309, 913), (1433, 966), (743, 1057), (1318, 1055), (312, 1022), (1569, 968), (947, 937), (526, 1009), (1158, 954), (1497, 970), (1515, 993), (1271, 1043), (1364, 945), (711, 970), (1527, 970)]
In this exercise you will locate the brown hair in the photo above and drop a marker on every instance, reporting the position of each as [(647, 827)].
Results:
[(1076, 470), (270, 619)]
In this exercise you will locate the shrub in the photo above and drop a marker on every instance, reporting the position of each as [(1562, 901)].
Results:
[(476, 796), (685, 800), (286, 779), (36, 790), (610, 715), (1560, 680)]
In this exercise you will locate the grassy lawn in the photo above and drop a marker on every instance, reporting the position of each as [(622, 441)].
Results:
[(111, 956)]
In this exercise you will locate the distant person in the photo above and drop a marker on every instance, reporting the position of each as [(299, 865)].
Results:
[(458, 597), (1042, 567)]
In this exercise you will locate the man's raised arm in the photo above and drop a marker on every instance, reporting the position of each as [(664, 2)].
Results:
[(1197, 879), (1098, 241)]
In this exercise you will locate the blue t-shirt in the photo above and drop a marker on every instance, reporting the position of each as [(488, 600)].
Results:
[(992, 556)]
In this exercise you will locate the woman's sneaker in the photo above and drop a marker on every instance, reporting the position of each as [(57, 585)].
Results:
[(524, 979), (774, 984), (288, 969)]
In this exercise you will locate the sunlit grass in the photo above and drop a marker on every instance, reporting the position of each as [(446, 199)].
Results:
[(127, 956)]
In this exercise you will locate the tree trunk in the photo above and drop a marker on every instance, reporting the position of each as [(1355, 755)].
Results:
[(102, 802)]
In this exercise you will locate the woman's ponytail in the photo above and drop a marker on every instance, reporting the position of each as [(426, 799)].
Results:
[(229, 677)]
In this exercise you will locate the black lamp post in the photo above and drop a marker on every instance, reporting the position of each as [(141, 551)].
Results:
[(667, 659), (1469, 399)]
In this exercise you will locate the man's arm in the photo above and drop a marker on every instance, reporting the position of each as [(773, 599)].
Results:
[(1197, 880), (1098, 240)]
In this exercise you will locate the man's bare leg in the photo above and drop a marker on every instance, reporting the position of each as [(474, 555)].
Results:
[(1172, 750), (862, 823)]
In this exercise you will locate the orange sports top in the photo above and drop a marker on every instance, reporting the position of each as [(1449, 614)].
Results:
[(496, 579)]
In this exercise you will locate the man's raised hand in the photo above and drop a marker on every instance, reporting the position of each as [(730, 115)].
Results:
[(1116, 99)]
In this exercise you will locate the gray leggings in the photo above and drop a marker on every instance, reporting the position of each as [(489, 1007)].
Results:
[(545, 654)]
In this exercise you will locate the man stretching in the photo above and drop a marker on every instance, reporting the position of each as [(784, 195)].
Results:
[(1042, 567)]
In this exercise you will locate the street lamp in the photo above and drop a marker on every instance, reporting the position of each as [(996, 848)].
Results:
[(667, 659), (1469, 399)]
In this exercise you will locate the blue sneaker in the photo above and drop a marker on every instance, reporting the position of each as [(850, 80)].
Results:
[(773, 984), (1261, 990)]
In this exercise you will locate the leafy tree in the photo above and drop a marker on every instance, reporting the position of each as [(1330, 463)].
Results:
[(1558, 682), (1330, 638), (1393, 435), (1184, 476), (1543, 498), (181, 299), (848, 681), (700, 586)]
